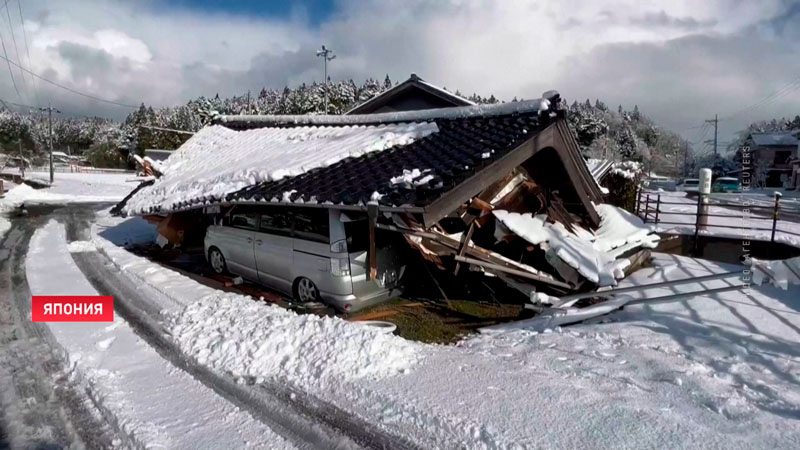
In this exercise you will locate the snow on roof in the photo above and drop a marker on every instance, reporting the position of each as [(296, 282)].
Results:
[(593, 255), (457, 112), (782, 138), (598, 167), (411, 80), (217, 161)]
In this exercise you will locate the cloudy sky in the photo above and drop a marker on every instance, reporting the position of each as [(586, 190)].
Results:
[(681, 61)]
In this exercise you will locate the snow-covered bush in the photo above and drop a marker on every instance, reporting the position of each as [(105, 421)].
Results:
[(623, 182)]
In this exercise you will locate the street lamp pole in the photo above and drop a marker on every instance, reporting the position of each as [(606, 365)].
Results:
[(327, 55)]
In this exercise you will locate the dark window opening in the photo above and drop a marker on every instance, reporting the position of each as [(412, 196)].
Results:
[(312, 224), (245, 221), (781, 157), (276, 221), (357, 234)]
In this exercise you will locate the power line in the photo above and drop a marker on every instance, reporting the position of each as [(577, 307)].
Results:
[(71, 113), (99, 99), (16, 48), (788, 88), (10, 72), (27, 49)]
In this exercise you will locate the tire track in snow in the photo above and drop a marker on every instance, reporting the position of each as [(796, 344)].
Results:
[(57, 412), (294, 414)]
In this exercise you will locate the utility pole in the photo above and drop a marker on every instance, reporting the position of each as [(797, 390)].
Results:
[(327, 55), (685, 158), (50, 111), (21, 159), (716, 123)]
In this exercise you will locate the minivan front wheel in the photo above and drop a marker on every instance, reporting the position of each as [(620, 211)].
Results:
[(305, 291), (217, 260)]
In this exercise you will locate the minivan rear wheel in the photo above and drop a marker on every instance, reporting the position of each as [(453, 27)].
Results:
[(306, 291), (217, 260)]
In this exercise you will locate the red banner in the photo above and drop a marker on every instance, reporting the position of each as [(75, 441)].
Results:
[(72, 308)]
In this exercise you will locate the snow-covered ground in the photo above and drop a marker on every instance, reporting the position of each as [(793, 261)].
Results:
[(70, 188), (715, 371), (788, 227), (153, 404)]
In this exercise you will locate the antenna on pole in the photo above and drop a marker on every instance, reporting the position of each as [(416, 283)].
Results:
[(327, 55)]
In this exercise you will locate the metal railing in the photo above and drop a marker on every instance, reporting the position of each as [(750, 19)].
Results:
[(77, 169), (649, 209)]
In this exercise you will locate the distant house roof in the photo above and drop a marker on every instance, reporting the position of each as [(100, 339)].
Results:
[(157, 154), (412, 94), (777, 139), (426, 162)]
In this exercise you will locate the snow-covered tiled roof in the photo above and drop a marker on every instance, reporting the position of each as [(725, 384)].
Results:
[(340, 160), (217, 161), (781, 139), (414, 80)]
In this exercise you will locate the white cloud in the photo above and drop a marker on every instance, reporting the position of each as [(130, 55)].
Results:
[(679, 60)]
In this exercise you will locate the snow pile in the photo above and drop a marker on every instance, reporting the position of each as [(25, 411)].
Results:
[(81, 246), (216, 160), (237, 335), (627, 169), (621, 231), (5, 225), (79, 188), (593, 255), (781, 273)]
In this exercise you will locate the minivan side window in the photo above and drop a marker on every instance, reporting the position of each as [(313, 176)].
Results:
[(276, 221), (245, 221), (312, 224)]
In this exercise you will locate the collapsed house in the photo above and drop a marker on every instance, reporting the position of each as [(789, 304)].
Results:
[(496, 189)]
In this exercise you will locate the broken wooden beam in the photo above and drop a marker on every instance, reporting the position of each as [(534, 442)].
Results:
[(509, 270), (465, 240)]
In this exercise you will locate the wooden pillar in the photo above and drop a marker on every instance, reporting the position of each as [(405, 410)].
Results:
[(372, 213)]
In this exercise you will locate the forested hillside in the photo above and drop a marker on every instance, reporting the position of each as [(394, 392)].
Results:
[(618, 134), (105, 143), (602, 132)]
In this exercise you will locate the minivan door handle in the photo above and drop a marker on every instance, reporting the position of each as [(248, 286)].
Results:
[(259, 241), (249, 239)]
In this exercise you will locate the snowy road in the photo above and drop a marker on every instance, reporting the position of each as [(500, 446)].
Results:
[(42, 406), (285, 417)]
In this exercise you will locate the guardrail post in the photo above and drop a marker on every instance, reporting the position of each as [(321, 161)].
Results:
[(658, 207), (775, 215), (646, 207)]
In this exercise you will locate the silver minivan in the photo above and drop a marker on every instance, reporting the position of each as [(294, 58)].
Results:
[(309, 253)]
